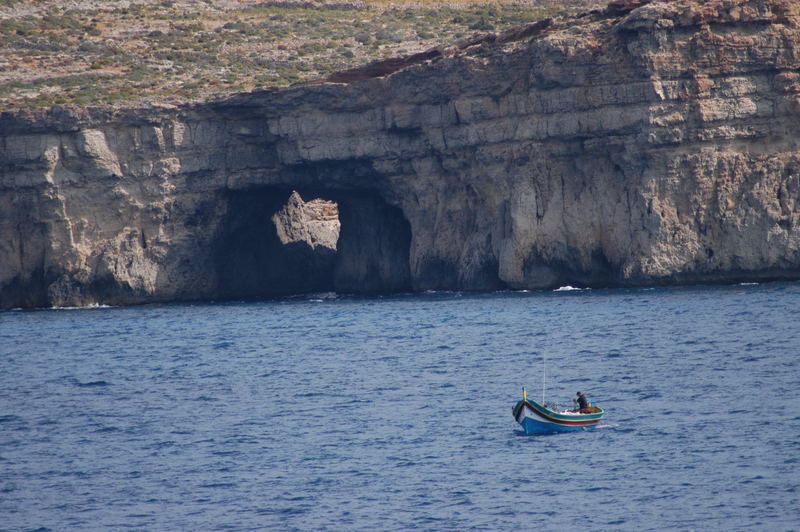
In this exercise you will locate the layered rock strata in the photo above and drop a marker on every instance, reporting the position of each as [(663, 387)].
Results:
[(654, 144)]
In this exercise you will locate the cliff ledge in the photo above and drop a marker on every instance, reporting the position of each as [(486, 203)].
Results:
[(647, 143)]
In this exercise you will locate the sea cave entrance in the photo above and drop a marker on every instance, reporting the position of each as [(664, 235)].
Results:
[(280, 241)]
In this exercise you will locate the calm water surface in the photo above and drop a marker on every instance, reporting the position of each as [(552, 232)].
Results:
[(395, 413)]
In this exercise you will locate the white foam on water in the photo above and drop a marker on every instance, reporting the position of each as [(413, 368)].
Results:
[(89, 306), (323, 296), (569, 288)]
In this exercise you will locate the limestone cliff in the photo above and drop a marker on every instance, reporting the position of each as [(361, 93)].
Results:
[(648, 143)]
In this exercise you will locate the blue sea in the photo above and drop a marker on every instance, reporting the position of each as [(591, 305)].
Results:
[(394, 413)]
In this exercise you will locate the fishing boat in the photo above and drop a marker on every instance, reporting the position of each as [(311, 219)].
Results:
[(538, 418)]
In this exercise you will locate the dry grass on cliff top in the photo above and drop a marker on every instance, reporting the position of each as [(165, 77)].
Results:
[(91, 52)]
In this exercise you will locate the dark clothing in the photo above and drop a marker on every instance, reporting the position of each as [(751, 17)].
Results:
[(582, 402)]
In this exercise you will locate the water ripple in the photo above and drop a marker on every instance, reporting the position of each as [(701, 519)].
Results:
[(335, 413)]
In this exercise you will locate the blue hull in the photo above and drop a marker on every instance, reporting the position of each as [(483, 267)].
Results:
[(531, 426)]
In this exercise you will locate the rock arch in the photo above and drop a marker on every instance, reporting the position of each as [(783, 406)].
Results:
[(277, 241)]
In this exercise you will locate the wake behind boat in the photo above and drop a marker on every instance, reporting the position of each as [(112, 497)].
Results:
[(537, 418)]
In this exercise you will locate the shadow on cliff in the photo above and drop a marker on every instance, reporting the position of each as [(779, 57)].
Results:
[(553, 273)]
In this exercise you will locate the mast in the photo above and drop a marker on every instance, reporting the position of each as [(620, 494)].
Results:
[(544, 375)]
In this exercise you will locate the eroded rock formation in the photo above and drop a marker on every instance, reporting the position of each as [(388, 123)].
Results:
[(649, 143)]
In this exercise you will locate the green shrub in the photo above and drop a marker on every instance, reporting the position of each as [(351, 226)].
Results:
[(482, 25)]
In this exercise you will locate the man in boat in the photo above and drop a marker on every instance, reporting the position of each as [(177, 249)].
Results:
[(583, 403)]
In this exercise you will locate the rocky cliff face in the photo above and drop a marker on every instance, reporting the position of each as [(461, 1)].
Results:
[(648, 143)]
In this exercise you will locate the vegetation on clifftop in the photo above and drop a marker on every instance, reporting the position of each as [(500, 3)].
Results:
[(102, 52)]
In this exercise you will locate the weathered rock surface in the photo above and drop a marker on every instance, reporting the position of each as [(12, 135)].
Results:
[(642, 145)]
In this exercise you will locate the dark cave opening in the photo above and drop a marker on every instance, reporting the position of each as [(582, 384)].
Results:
[(278, 242)]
